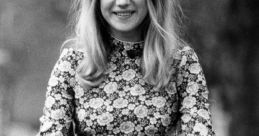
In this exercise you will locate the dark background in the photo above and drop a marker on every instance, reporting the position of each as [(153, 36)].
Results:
[(222, 32)]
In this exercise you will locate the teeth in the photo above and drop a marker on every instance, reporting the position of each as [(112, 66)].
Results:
[(124, 14)]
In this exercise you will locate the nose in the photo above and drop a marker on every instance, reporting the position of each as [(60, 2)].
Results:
[(123, 3)]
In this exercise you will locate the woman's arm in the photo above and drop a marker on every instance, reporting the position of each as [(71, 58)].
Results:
[(195, 119), (59, 108)]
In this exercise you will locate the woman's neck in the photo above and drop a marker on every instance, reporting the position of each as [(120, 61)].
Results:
[(129, 36)]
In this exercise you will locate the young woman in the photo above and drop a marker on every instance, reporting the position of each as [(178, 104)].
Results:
[(126, 72)]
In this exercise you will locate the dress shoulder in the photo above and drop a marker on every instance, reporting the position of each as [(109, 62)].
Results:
[(195, 118), (72, 55), (185, 51), (182, 55), (58, 109)]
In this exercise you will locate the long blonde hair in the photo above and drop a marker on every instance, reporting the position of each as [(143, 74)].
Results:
[(160, 34)]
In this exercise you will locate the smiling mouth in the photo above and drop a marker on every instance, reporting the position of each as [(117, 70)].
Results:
[(124, 14)]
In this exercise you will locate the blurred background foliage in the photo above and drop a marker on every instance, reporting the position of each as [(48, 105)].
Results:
[(223, 33)]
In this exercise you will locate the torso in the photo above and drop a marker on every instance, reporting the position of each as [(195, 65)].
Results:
[(124, 104)]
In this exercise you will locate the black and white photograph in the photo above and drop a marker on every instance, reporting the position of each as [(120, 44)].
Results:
[(129, 68)]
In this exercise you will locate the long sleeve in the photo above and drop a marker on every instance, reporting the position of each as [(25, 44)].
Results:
[(58, 108), (195, 116)]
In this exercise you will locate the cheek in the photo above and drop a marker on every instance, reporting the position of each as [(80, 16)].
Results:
[(105, 6), (102, 6), (142, 6)]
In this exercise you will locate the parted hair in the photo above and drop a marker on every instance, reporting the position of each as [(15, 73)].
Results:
[(91, 35)]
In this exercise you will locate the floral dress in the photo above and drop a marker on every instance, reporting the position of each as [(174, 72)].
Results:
[(124, 104)]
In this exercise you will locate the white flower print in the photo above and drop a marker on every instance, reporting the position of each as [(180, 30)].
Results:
[(127, 127), (57, 133), (53, 81), (61, 79), (138, 128), (64, 52), (65, 66), (82, 101), (194, 57), (86, 105), (184, 60), (141, 111), (157, 115), (79, 91), (105, 119), (192, 88), (137, 90), (128, 46), (131, 106), (118, 78), (171, 88), (118, 54), (153, 120), (199, 127), (204, 113), (58, 114), (122, 93), (46, 125), (111, 87), (141, 82), (189, 102), (127, 61), (89, 123), (58, 97), (158, 101), (113, 58), (66, 95), (148, 102), (120, 103), (72, 81), (81, 114), (110, 127), (193, 111), (116, 130), (63, 102), (205, 95), (176, 54), (125, 111), (96, 102), (186, 118), (142, 98), (128, 74), (126, 88), (93, 116), (59, 127), (179, 80), (112, 75), (87, 129), (49, 102), (195, 68), (137, 61), (109, 108), (166, 120), (111, 67), (71, 72), (107, 102), (150, 130)]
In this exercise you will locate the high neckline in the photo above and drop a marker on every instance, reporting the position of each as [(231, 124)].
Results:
[(126, 44), (127, 49)]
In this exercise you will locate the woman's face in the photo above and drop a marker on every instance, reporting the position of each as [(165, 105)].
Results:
[(123, 15)]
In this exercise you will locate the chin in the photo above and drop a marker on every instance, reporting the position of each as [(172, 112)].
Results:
[(124, 27)]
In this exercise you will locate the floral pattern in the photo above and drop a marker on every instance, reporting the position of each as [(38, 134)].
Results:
[(124, 104)]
